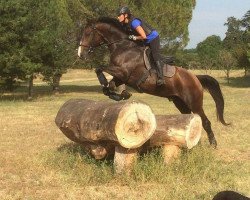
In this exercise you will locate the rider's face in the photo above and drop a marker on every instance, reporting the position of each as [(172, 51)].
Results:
[(122, 18)]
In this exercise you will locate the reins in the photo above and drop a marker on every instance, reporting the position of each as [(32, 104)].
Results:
[(91, 47)]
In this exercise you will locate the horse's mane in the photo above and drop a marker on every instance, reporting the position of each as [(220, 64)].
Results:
[(112, 21)]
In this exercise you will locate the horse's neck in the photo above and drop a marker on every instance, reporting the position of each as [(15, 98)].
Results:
[(117, 37), (110, 33)]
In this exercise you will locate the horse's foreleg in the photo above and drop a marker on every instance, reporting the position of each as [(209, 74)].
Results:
[(118, 86), (101, 77), (109, 88), (113, 84)]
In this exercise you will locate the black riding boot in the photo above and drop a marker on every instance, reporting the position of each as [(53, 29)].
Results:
[(159, 69)]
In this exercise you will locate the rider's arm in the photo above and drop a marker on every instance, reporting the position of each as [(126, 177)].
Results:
[(142, 34), (136, 25)]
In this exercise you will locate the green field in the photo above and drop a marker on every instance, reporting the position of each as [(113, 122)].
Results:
[(38, 162)]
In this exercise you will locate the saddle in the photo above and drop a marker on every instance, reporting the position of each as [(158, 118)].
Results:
[(168, 69)]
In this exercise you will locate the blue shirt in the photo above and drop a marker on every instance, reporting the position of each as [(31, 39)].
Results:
[(136, 22)]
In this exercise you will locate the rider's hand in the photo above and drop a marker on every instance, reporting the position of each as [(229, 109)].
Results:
[(132, 37)]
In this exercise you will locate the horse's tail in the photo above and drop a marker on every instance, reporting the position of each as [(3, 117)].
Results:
[(211, 84)]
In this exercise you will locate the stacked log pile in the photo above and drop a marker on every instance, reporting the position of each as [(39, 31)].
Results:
[(123, 129)]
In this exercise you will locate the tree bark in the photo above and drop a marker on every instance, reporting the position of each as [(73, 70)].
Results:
[(56, 83), (172, 133), (181, 130), (128, 124), (124, 159), (30, 87)]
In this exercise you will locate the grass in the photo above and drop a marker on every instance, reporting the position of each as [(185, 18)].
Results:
[(38, 162)]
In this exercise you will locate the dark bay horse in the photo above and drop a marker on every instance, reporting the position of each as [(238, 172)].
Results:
[(127, 66)]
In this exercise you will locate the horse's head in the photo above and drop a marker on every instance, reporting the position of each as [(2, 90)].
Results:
[(104, 30), (91, 38)]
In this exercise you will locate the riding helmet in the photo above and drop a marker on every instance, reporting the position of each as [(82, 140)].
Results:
[(123, 10)]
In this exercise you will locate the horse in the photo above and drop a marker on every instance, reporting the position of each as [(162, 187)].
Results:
[(127, 66)]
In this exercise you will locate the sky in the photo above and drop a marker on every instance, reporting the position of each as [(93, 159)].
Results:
[(209, 17)]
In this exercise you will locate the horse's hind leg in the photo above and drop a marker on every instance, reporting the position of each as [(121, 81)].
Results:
[(181, 106), (184, 109), (207, 126)]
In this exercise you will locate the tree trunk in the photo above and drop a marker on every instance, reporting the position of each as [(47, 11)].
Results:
[(30, 87), (56, 83), (128, 124)]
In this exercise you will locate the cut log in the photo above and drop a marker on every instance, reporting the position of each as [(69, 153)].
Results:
[(129, 124), (181, 130), (170, 152), (172, 133), (124, 159)]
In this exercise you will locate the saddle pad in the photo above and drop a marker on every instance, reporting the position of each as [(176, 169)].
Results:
[(169, 70)]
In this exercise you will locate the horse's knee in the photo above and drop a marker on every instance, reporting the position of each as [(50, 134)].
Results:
[(101, 77)]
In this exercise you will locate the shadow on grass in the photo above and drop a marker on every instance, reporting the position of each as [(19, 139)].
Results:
[(75, 150), (72, 148), (44, 91), (238, 82), (21, 93)]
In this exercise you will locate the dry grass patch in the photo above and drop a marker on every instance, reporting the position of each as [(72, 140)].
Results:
[(38, 162)]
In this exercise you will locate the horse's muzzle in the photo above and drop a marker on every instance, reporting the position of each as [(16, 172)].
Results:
[(83, 53)]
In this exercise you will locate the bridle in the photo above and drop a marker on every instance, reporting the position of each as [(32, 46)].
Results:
[(108, 43)]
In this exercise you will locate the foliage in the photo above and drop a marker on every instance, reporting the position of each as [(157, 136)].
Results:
[(15, 61), (171, 18), (211, 51), (237, 40), (187, 58), (227, 61), (39, 37), (208, 51)]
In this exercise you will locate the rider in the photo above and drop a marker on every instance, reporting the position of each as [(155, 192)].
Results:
[(145, 33)]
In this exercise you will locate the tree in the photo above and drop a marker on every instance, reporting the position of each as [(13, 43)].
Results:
[(208, 51), (228, 61), (187, 58), (246, 38), (41, 36), (14, 62), (237, 40), (170, 18)]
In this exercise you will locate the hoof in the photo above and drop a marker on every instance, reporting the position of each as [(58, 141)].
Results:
[(213, 143), (116, 97), (125, 94)]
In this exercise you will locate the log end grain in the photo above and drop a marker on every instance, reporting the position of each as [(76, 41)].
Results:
[(136, 123), (193, 131)]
